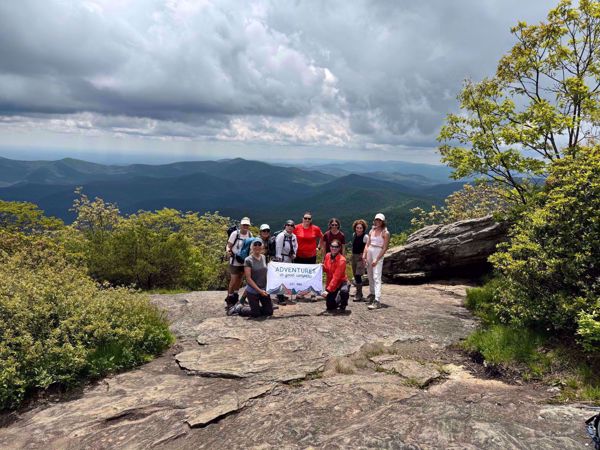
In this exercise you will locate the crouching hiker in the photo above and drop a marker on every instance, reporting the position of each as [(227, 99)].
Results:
[(334, 266), (255, 270)]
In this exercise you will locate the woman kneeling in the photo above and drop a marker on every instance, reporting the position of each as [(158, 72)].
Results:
[(255, 270), (334, 266)]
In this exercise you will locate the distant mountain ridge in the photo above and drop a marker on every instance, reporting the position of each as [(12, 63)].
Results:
[(234, 187)]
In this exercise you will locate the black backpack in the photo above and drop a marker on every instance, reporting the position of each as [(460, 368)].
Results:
[(592, 429)]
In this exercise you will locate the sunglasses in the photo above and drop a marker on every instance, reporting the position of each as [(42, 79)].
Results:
[(334, 246), (265, 231), (335, 225), (289, 224), (257, 244), (307, 218)]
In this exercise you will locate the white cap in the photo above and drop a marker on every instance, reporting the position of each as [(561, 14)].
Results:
[(265, 226), (379, 216), (245, 221)]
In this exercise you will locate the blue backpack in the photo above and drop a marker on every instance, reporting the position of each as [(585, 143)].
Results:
[(245, 250)]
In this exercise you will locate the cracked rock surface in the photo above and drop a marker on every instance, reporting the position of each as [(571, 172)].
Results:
[(303, 379)]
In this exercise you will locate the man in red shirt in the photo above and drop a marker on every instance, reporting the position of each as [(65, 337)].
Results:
[(308, 236)]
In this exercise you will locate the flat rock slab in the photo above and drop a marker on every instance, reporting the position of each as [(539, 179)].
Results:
[(231, 382), (415, 372)]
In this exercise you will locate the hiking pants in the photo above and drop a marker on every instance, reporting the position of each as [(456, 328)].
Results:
[(344, 291), (374, 273), (358, 267), (257, 306)]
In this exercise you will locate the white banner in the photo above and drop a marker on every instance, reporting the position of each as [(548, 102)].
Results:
[(288, 278)]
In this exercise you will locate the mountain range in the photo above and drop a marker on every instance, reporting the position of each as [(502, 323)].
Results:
[(236, 187)]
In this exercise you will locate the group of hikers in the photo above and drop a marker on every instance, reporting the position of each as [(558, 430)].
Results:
[(300, 244)]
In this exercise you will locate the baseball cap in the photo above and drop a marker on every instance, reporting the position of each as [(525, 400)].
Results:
[(290, 222), (380, 216), (265, 226), (245, 221)]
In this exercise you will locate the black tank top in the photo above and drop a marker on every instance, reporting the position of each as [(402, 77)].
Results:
[(358, 244)]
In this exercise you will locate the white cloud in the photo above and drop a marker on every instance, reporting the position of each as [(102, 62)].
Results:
[(362, 74)]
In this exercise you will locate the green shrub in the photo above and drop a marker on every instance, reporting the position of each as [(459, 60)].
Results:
[(551, 264), (483, 301), (470, 202), (165, 249), (57, 326)]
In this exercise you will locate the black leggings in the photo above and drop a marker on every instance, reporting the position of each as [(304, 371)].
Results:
[(258, 306), (343, 290)]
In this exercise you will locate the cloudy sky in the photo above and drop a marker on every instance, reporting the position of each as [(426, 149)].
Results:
[(157, 80)]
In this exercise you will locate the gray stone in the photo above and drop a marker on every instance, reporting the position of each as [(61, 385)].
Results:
[(420, 374), (440, 251), (230, 382)]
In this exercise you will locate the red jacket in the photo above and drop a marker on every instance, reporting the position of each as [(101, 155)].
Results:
[(335, 271)]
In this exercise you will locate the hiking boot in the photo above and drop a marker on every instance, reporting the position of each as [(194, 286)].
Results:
[(375, 305), (358, 297), (230, 301)]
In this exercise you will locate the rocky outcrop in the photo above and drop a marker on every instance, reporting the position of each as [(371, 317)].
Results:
[(439, 251), (302, 379)]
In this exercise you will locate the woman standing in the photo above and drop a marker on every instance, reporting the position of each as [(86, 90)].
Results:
[(286, 246), (359, 241), (334, 266), (333, 232), (255, 270), (308, 236), (286, 243), (236, 268), (377, 245)]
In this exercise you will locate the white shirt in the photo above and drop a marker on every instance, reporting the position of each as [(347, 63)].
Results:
[(283, 252), (236, 245)]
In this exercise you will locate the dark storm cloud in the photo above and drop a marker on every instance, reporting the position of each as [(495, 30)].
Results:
[(335, 72)]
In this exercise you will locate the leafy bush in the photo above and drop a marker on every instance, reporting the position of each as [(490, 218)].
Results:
[(26, 217), (470, 202), (551, 264), (483, 301), (57, 326), (162, 249)]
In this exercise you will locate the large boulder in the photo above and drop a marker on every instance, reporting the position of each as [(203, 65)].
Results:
[(439, 251)]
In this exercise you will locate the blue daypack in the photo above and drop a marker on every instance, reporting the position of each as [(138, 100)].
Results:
[(245, 250)]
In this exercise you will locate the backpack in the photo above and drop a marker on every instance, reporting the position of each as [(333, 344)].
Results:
[(245, 250), (592, 428), (272, 248), (231, 229)]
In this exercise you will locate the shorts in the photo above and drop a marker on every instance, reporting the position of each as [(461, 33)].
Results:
[(236, 270), (358, 264)]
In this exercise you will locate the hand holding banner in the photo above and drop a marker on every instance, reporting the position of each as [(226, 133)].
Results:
[(299, 279)]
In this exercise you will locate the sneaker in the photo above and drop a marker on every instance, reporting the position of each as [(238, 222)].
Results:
[(370, 298), (375, 305), (234, 310)]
